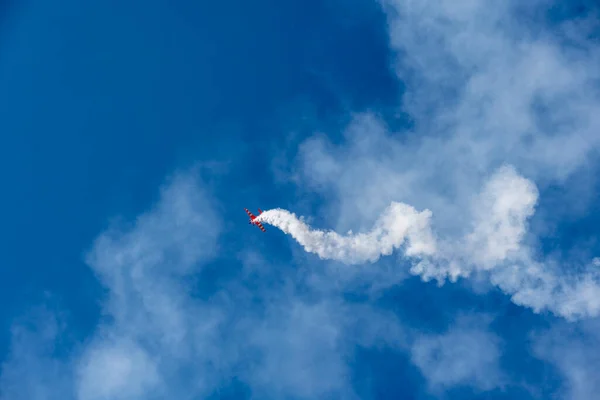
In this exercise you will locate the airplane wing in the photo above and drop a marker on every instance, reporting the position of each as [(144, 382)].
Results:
[(249, 213), (262, 228)]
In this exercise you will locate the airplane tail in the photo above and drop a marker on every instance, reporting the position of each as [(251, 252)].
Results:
[(259, 211)]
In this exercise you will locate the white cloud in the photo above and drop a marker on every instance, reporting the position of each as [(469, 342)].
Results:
[(158, 339), (574, 354), (300, 344), (153, 328), (117, 371), (491, 83), (31, 370), (467, 354)]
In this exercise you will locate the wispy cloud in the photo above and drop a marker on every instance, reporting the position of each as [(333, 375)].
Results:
[(117, 370), (494, 84), (571, 349), (467, 354), (32, 370), (152, 329), (159, 339)]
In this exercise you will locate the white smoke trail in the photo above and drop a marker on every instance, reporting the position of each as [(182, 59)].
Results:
[(494, 246), (398, 223)]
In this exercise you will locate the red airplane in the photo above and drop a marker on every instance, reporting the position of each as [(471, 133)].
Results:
[(253, 217)]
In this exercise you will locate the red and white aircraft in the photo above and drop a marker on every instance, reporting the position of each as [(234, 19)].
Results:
[(253, 219)]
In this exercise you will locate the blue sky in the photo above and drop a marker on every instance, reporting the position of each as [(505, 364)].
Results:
[(134, 135)]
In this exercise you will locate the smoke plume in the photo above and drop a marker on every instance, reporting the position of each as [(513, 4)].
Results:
[(499, 219), (398, 224)]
